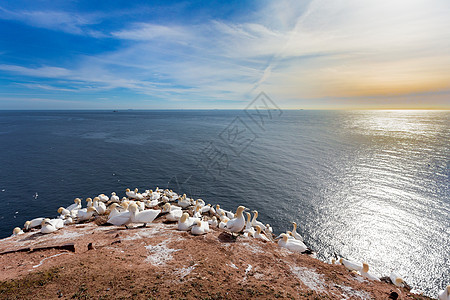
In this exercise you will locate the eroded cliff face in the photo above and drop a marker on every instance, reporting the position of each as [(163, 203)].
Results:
[(91, 261)]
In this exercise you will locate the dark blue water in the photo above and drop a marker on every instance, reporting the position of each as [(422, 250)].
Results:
[(368, 185)]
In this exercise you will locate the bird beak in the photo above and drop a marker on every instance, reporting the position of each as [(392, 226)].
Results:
[(247, 209), (48, 223)]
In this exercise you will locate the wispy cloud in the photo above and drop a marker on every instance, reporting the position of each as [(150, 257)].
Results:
[(55, 20), (291, 49), (146, 32)]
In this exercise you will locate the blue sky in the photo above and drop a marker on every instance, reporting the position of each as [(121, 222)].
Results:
[(213, 54)]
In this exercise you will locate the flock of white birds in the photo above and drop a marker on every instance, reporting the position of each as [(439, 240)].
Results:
[(191, 215)]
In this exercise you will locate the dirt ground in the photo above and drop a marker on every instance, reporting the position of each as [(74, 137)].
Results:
[(87, 261)]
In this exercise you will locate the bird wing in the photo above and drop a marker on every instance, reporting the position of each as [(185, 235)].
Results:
[(120, 218), (147, 216)]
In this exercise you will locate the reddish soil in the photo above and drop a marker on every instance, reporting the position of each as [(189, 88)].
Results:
[(159, 262)]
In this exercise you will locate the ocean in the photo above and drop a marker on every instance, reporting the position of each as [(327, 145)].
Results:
[(367, 185)]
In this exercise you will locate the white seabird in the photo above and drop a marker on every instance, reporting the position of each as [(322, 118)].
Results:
[(249, 230), (260, 235), (292, 244), (17, 231), (114, 198), (130, 194), (213, 222), (47, 227), (365, 272), (57, 223), (183, 222), (103, 198), (295, 234), (122, 218), (237, 224), (200, 227), (86, 213), (256, 222), (174, 215), (350, 265), (33, 223), (396, 280), (145, 216), (63, 211), (444, 294), (76, 205)]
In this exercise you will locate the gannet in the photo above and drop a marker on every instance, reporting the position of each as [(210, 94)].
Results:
[(68, 220), (350, 265), (237, 224), (151, 203), (86, 213), (365, 272), (99, 206), (259, 235), (140, 205), (200, 202), (288, 233), (122, 218), (184, 202), (17, 231), (183, 222), (114, 198), (197, 213), (223, 223), (124, 206), (444, 294), (213, 222), (89, 202), (145, 216), (138, 196), (200, 228), (63, 212), (130, 194), (249, 230), (205, 209), (57, 223), (112, 210), (154, 195), (168, 208), (268, 232), (146, 193), (212, 210), (292, 244), (47, 227), (219, 211), (223, 217), (174, 215), (295, 233), (165, 199), (33, 223), (256, 222), (396, 280), (76, 205), (103, 198)]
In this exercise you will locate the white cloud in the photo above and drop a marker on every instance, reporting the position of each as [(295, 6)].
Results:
[(291, 49), (145, 31), (55, 20)]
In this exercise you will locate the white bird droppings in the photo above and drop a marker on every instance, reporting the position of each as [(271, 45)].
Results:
[(42, 261), (160, 254), (310, 278)]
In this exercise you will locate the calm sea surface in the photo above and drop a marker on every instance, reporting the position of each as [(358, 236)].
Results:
[(368, 185)]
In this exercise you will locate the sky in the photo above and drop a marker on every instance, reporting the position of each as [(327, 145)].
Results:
[(319, 54)]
